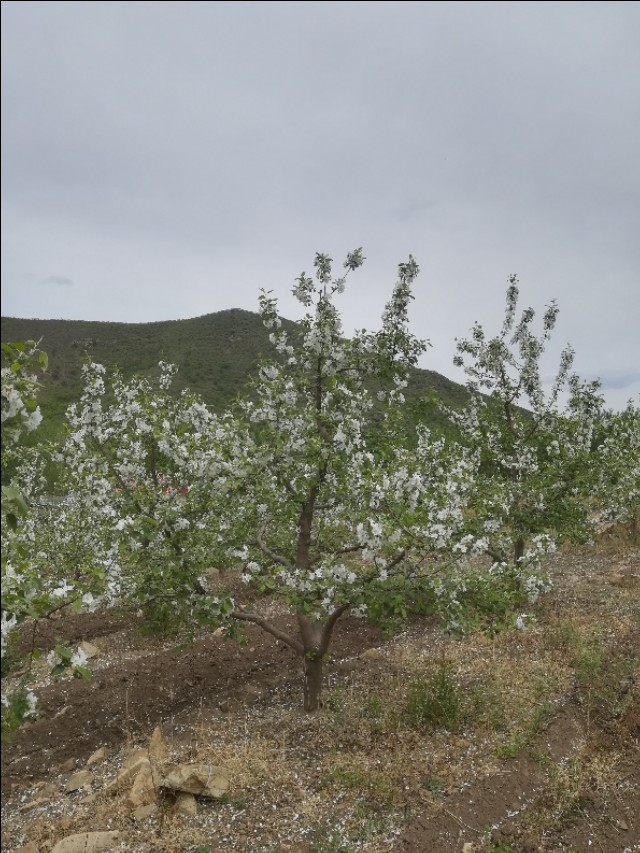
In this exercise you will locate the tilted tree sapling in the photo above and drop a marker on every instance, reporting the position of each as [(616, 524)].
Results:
[(306, 483), (34, 585), (306, 516), (147, 474), (536, 461), (617, 491)]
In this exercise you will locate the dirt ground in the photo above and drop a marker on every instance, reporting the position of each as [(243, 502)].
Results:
[(144, 686), (353, 777)]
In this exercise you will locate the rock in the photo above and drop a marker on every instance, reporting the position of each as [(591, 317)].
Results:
[(31, 805), (68, 766), (157, 746), (134, 756), (87, 842), (468, 847), (143, 791), (62, 712), (46, 791), (97, 756), (81, 779), (29, 847), (185, 804), (203, 780), (89, 649), (145, 812), (127, 775)]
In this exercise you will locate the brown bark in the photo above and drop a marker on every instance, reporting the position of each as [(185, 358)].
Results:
[(312, 681), (303, 551), (316, 638), (518, 549)]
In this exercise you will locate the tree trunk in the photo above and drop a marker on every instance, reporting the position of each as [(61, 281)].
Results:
[(316, 638), (518, 549), (312, 681)]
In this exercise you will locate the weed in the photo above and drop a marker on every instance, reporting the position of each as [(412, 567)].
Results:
[(324, 840), (486, 704), (587, 661), (563, 636), (373, 708), (12, 658), (512, 747), (433, 784), (603, 679), (436, 702), (498, 847), (494, 845), (334, 699), (527, 735), (374, 785)]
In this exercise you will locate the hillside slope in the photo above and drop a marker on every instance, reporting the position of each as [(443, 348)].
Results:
[(216, 355)]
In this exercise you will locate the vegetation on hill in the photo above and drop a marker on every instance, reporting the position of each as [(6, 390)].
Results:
[(216, 355)]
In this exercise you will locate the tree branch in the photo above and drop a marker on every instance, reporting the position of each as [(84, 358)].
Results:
[(254, 618), (329, 626), (277, 558), (56, 609), (398, 559), (347, 550)]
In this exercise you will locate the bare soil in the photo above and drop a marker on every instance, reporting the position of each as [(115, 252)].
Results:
[(144, 683)]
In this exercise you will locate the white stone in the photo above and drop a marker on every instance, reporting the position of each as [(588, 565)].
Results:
[(88, 842), (203, 780)]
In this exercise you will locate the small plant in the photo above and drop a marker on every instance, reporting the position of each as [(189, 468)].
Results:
[(373, 785), (512, 747), (587, 662), (491, 845), (526, 736), (436, 702), (324, 840), (603, 679), (433, 784), (373, 708)]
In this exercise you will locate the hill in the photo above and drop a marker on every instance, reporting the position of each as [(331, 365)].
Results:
[(216, 355)]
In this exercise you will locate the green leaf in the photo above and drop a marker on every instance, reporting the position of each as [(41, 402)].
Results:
[(82, 672)]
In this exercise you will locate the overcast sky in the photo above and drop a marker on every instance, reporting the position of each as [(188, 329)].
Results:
[(166, 160)]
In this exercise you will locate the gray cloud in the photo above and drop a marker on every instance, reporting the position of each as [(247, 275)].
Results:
[(176, 157), (626, 380), (58, 281)]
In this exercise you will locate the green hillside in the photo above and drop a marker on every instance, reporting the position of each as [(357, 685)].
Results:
[(216, 355)]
